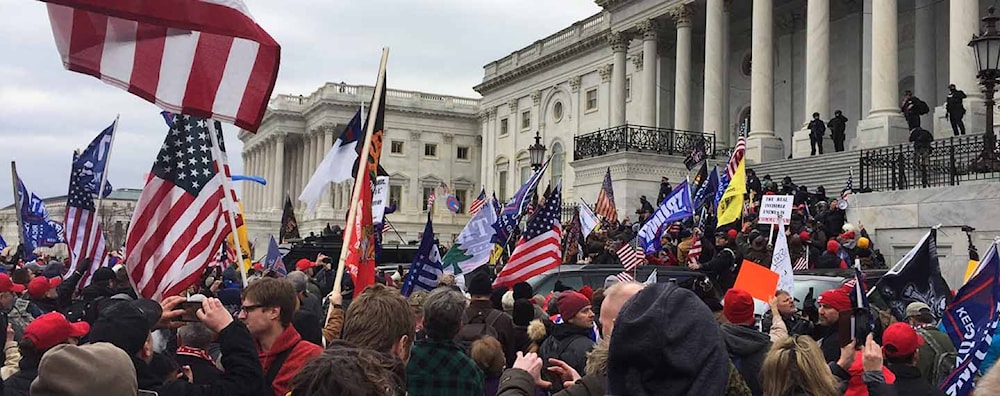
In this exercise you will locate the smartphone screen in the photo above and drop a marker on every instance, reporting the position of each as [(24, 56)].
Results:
[(190, 311)]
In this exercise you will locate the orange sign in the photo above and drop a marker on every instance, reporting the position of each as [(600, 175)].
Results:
[(757, 280)]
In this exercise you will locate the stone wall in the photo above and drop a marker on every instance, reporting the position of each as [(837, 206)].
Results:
[(896, 220)]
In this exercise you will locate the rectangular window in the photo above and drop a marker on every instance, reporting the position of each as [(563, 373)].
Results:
[(502, 186), (526, 173), (395, 195), (503, 127), (592, 99), (526, 119), (460, 195), (463, 153), (428, 191), (397, 147), (430, 150), (628, 88)]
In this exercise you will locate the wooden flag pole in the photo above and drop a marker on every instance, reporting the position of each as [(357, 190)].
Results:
[(362, 167), (17, 202)]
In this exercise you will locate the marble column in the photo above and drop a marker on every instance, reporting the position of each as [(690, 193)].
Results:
[(619, 45), (326, 202), (762, 145), (279, 170), (682, 71), (713, 120), (265, 153), (817, 73), (925, 58), (304, 165), (884, 125), (257, 204), (648, 28), (247, 197), (293, 173), (963, 23)]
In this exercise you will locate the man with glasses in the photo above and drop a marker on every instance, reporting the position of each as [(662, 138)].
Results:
[(267, 309)]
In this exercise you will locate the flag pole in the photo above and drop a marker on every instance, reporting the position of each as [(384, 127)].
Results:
[(100, 190), (17, 202), (352, 212), (386, 220), (230, 201)]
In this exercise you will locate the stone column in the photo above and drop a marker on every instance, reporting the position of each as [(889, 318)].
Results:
[(257, 203), (682, 72), (714, 121), (925, 60), (304, 165), (279, 170), (265, 155), (619, 45), (963, 23), (648, 28), (762, 145), (884, 125), (326, 202), (293, 173), (817, 73)]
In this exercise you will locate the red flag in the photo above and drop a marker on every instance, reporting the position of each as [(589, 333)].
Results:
[(206, 58)]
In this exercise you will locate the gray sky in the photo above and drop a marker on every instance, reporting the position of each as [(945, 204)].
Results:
[(436, 46)]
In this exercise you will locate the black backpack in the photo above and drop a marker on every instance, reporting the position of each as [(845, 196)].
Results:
[(85, 311), (473, 330), (920, 106), (944, 361)]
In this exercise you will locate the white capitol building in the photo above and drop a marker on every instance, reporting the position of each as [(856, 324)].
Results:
[(674, 72)]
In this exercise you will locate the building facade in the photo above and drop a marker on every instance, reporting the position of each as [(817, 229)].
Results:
[(430, 141)]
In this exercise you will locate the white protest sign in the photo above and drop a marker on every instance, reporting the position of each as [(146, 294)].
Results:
[(775, 207), (781, 262), (380, 194)]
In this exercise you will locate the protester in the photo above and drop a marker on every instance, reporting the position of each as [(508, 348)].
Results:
[(794, 323), (193, 341), (380, 320), (43, 293), (935, 346), (40, 336), (899, 344), (745, 344), (570, 340), (18, 311), (347, 370), (488, 355), (438, 366), (269, 305), (831, 304), (795, 366), (481, 311), (308, 318), (95, 369)]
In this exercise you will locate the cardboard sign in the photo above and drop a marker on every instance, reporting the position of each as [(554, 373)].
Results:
[(757, 280), (773, 207), (380, 198)]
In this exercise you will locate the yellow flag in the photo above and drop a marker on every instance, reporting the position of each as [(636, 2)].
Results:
[(969, 270), (241, 232), (731, 204)]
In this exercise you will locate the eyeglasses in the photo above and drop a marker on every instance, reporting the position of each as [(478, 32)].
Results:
[(248, 308)]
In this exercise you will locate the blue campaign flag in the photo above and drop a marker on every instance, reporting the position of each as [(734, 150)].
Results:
[(676, 206), (39, 229), (256, 179), (93, 162), (971, 321), (511, 213), (273, 261), (427, 267), (723, 185), (708, 188), (859, 295), (3, 243), (168, 117)]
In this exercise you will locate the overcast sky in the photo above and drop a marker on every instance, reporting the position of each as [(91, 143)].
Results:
[(437, 46)]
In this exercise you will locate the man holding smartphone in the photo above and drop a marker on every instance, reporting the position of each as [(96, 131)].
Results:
[(832, 304)]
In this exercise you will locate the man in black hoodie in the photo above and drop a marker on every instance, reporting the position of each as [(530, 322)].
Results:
[(747, 346)]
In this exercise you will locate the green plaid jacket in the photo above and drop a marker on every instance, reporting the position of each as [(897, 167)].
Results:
[(442, 369)]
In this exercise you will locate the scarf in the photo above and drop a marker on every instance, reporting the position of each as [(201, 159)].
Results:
[(198, 353)]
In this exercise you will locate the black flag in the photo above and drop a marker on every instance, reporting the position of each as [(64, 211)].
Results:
[(697, 155), (289, 227), (917, 277)]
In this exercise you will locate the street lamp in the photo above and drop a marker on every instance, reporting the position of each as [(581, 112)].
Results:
[(536, 152), (986, 47)]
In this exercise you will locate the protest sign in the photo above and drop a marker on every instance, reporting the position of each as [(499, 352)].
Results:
[(774, 207), (757, 280), (380, 194)]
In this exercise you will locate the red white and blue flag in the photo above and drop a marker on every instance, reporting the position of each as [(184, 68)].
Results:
[(478, 203), (84, 236), (540, 247)]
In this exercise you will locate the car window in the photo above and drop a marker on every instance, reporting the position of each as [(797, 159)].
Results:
[(818, 286), (568, 279)]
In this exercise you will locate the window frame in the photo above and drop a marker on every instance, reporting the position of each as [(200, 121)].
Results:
[(392, 147), (434, 146), (586, 100), (525, 119), (468, 153), (504, 126)]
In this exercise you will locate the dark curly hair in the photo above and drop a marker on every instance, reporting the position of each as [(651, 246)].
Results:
[(346, 370)]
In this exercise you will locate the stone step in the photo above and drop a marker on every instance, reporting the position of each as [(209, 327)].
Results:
[(830, 170)]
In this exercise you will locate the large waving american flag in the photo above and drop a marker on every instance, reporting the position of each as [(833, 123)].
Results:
[(201, 57), (180, 220), (84, 236), (539, 249), (605, 205)]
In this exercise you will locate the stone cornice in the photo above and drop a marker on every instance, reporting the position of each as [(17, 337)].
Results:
[(611, 4), (389, 108), (555, 59)]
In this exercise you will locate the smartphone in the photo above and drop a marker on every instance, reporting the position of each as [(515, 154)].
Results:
[(853, 326), (190, 311)]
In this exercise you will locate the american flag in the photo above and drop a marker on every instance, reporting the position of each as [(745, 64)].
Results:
[(738, 152), (180, 219), (802, 263), (84, 236), (605, 205), (631, 256), (624, 277), (850, 185), (207, 58), (386, 227), (695, 252), (431, 198), (539, 249), (478, 203)]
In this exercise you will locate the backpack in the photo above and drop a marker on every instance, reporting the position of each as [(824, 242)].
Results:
[(472, 331), (944, 361), (85, 311), (920, 106)]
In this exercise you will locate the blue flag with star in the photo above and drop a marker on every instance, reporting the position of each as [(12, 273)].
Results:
[(273, 262), (39, 229), (426, 268), (510, 214), (94, 161)]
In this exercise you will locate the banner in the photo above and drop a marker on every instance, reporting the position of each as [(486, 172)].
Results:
[(781, 262), (774, 207), (380, 198), (916, 277), (676, 206)]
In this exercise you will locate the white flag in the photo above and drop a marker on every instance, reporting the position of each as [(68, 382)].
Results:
[(588, 220), (335, 168), (781, 262), (651, 279), (474, 245)]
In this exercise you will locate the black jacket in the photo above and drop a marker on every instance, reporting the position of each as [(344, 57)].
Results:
[(796, 324), (910, 383), (921, 139), (19, 384), (243, 375), (837, 125), (828, 342), (816, 128), (953, 102), (747, 348), (204, 371), (569, 343)]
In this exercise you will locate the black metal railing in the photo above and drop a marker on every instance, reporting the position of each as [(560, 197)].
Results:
[(947, 163), (638, 138)]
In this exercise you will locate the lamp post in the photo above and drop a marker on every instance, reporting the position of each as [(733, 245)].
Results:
[(986, 47), (536, 152)]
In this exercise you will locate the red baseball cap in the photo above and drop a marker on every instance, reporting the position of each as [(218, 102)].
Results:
[(899, 339), (304, 264), (52, 329), (838, 299), (41, 285), (738, 306), (7, 285)]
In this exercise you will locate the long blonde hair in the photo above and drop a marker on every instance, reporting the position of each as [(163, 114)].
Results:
[(796, 363)]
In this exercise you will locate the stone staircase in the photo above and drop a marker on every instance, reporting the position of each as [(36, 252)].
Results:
[(829, 170)]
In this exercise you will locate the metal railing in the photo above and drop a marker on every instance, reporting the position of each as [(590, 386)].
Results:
[(638, 138), (948, 162)]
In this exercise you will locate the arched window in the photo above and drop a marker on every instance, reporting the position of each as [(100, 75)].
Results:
[(558, 162)]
